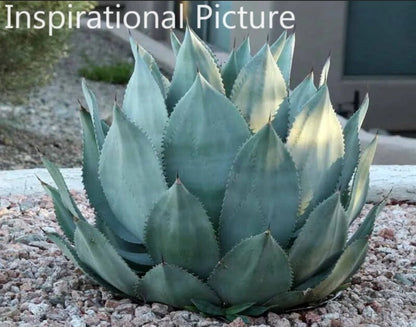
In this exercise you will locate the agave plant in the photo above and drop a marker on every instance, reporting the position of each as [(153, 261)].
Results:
[(223, 190)]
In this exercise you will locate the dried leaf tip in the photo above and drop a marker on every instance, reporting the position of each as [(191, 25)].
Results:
[(270, 118), (81, 107), (178, 180), (41, 181)]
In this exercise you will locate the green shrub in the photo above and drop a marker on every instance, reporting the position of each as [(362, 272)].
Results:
[(27, 55), (117, 73)]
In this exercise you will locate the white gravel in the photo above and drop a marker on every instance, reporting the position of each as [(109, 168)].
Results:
[(39, 287)]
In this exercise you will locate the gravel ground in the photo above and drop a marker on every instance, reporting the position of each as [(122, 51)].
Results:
[(49, 120), (41, 288)]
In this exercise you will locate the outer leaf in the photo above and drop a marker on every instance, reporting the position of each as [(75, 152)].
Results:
[(92, 184), (135, 254), (321, 238), (277, 47), (286, 57), (352, 144), (325, 70), (262, 192), (262, 269), (300, 96), (208, 308), (130, 174), (176, 44), (255, 310), (144, 103), (174, 286), (63, 215), (292, 105), (229, 72), (243, 53), (236, 309), (69, 251), (361, 182), (95, 251), (192, 56), (179, 232), (347, 265), (316, 144), (259, 89), (367, 226), (236, 61), (202, 138), (281, 120), (282, 301), (93, 107), (140, 258), (161, 80), (66, 197)]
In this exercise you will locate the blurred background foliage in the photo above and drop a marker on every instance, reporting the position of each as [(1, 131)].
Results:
[(27, 55)]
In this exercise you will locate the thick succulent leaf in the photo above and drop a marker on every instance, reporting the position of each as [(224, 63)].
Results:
[(193, 56), (93, 107), (63, 215), (105, 127), (243, 53), (348, 263), (179, 232), (175, 43), (150, 61), (366, 227), (236, 61), (97, 252), (262, 268), (361, 182), (277, 47), (174, 286), (208, 308), (142, 259), (130, 174), (144, 103), (229, 72), (311, 282), (300, 96), (286, 300), (281, 119), (321, 238), (352, 144), (324, 74), (92, 184), (316, 144), (69, 251), (259, 89), (201, 141), (255, 310), (262, 192), (66, 197), (236, 309), (132, 252), (286, 57)]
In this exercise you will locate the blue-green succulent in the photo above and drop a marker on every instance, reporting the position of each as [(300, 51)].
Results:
[(223, 190)]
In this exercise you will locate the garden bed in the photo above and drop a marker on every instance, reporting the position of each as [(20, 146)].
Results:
[(48, 119), (40, 287)]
